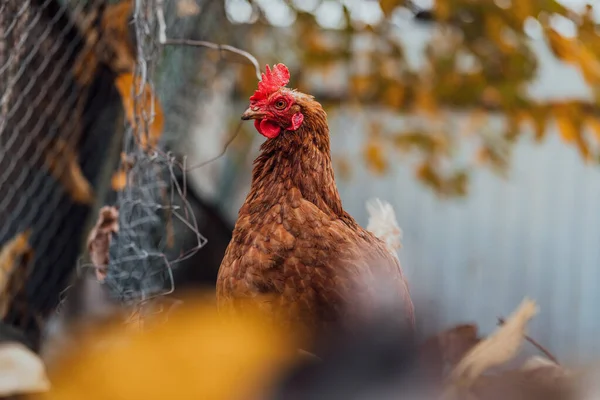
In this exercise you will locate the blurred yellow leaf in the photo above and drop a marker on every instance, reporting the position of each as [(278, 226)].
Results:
[(522, 9), (570, 119), (119, 180), (361, 85), (442, 10), (574, 52), (394, 96), (387, 6), (567, 123), (594, 124), (494, 27), (374, 156), (425, 100), (195, 354), (427, 174), (538, 116)]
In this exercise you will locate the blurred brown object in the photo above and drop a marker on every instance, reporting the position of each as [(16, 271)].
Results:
[(15, 260), (447, 348), (147, 106), (62, 161), (100, 237)]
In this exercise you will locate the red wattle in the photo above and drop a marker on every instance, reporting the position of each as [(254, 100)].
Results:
[(267, 128)]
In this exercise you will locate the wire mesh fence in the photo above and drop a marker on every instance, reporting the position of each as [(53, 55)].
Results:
[(67, 72)]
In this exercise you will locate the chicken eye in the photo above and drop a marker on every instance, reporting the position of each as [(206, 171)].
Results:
[(280, 104)]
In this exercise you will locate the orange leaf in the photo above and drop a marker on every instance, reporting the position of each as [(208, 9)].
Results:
[(15, 258), (375, 158), (574, 52), (594, 124), (387, 6), (119, 180), (566, 123), (148, 107), (361, 85), (394, 96)]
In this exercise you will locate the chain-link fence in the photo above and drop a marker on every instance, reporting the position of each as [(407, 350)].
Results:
[(68, 72)]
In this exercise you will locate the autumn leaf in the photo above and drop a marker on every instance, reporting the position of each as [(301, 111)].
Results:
[(442, 10), (567, 121), (61, 159), (119, 180), (374, 157), (574, 52), (148, 107), (361, 86), (497, 349), (99, 239), (15, 259), (594, 123), (217, 357), (394, 96), (387, 6)]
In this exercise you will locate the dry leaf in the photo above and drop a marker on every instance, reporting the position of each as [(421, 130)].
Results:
[(21, 371), (100, 237), (448, 348), (15, 257), (574, 52), (61, 161), (119, 180), (497, 348), (594, 124), (148, 107), (117, 47), (373, 154)]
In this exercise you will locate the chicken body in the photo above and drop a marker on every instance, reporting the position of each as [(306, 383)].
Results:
[(295, 253)]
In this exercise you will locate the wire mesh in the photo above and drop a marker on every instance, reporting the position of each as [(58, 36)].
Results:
[(67, 72), (152, 198), (54, 125)]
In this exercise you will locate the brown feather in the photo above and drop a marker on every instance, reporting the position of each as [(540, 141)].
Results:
[(295, 252)]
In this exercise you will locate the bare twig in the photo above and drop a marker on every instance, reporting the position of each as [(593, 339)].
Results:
[(536, 344), (219, 47), (225, 146), (162, 38)]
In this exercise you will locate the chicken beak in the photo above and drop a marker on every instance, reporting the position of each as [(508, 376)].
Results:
[(252, 113)]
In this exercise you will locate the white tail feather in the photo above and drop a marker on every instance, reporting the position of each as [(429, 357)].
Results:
[(383, 224)]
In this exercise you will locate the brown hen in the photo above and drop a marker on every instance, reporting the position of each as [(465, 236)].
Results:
[(295, 253)]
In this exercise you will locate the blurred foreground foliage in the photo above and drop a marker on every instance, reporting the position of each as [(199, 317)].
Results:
[(478, 60)]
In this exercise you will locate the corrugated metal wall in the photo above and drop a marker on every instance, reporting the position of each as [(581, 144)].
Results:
[(534, 234)]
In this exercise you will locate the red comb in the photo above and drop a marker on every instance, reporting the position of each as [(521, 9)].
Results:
[(272, 80)]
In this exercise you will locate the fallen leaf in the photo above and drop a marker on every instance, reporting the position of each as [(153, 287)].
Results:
[(15, 258), (448, 347), (61, 161), (21, 371), (147, 107), (497, 349), (100, 237)]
